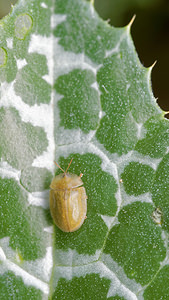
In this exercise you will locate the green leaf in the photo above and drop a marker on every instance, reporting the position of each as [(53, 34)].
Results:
[(145, 245), (73, 87), (76, 114), (137, 178)]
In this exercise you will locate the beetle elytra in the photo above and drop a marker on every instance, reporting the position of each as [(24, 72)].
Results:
[(68, 201)]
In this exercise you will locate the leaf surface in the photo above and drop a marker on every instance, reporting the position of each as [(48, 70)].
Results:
[(73, 87)]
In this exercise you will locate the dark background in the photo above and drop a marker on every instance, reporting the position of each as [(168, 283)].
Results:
[(150, 33)]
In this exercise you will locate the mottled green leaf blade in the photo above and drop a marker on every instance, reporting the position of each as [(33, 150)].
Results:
[(73, 87)]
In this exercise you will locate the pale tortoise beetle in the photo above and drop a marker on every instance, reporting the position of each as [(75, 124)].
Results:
[(68, 200)]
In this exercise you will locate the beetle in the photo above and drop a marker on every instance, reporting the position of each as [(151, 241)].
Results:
[(68, 200)]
